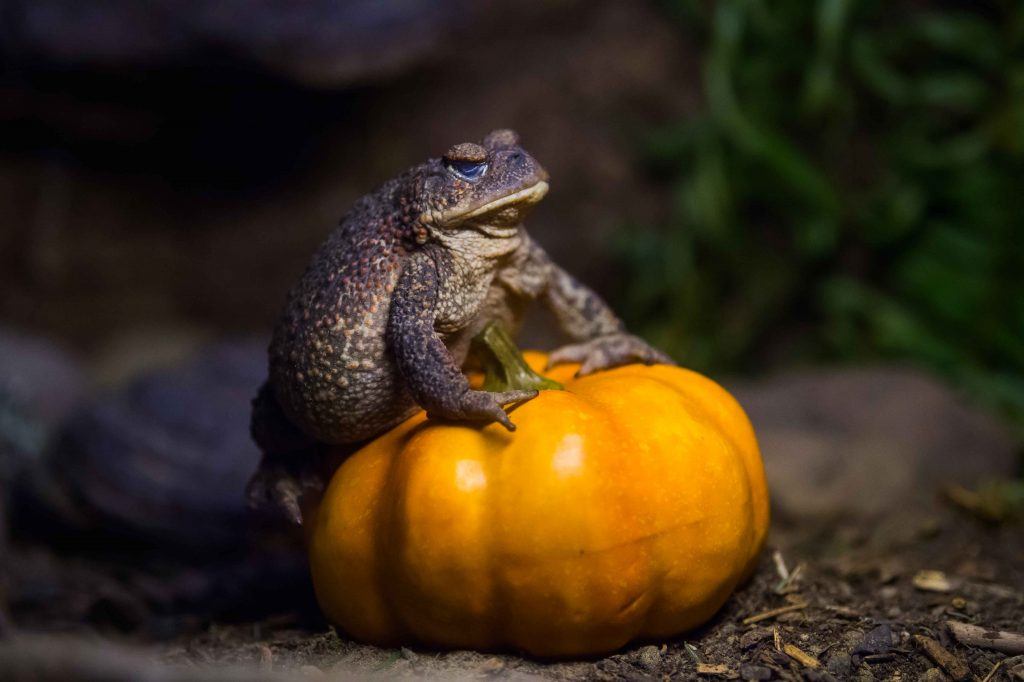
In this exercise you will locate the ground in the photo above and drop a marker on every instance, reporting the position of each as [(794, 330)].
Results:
[(879, 554), (846, 589), (851, 604)]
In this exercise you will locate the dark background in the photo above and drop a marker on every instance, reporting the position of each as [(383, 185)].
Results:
[(820, 204), (827, 182)]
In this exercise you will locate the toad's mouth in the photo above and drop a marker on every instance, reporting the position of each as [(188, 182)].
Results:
[(527, 197)]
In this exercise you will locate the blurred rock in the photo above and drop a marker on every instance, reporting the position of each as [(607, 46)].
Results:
[(163, 462), (135, 519), (323, 43), (869, 441), (40, 383)]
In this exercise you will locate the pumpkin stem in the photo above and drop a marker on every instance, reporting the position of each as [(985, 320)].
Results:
[(504, 366)]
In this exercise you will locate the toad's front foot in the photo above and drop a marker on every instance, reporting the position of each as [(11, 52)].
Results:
[(481, 406), (608, 351)]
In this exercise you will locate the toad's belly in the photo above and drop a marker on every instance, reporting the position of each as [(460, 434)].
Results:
[(338, 398), (355, 405)]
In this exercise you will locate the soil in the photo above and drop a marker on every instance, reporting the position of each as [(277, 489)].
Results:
[(855, 605)]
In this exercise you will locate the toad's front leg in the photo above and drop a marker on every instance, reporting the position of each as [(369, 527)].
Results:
[(601, 339), (430, 373)]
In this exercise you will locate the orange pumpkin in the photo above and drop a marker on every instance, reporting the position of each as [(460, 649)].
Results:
[(628, 505)]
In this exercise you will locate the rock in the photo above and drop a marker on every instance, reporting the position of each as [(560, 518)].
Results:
[(753, 637), (312, 672), (826, 434), (491, 666), (755, 672), (876, 641), (152, 477), (161, 464), (840, 665), (649, 657), (864, 674), (852, 638), (321, 42), (933, 675), (40, 383), (818, 676)]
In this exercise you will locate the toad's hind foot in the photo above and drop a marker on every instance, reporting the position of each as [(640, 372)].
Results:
[(290, 469), (283, 490), (611, 350)]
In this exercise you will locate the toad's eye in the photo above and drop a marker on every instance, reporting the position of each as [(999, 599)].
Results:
[(467, 170)]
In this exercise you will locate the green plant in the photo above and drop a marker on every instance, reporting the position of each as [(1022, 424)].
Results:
[(853, 188)]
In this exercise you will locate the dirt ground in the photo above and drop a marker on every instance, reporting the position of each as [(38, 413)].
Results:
[(854, 607), (867, 562)]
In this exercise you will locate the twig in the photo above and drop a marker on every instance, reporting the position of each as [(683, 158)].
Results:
[(953, 666), (772, 613), (801, 656), (999, 640), (843, 611)]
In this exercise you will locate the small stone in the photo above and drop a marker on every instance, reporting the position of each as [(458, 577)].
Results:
[(650, 657), (864, 674), (492, 665), (819, 676), (932, 675), (876, 641), (889, 592), (752, 637), (266, 657), (852, 638), (839, 664), (932, 581), (755, 672), (409, 654)]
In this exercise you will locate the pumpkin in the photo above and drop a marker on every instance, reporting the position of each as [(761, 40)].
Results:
[(628, 505)]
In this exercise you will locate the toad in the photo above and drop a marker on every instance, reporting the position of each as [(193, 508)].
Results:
[(380, 324)]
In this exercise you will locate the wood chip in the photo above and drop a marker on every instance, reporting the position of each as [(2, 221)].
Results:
[(952, 664), (844, 611), (932, 581), (801, 656), (772, 613), (780, 565), (717, 669), (972, 635)]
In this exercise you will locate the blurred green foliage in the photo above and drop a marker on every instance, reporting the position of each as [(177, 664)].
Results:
[(853, 188)]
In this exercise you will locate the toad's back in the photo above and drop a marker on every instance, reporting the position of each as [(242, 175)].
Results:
[(329, 365)]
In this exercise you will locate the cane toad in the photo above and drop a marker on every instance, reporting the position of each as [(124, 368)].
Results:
[(380, 323)]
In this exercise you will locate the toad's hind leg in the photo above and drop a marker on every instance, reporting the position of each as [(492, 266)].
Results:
[(290, 469)]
